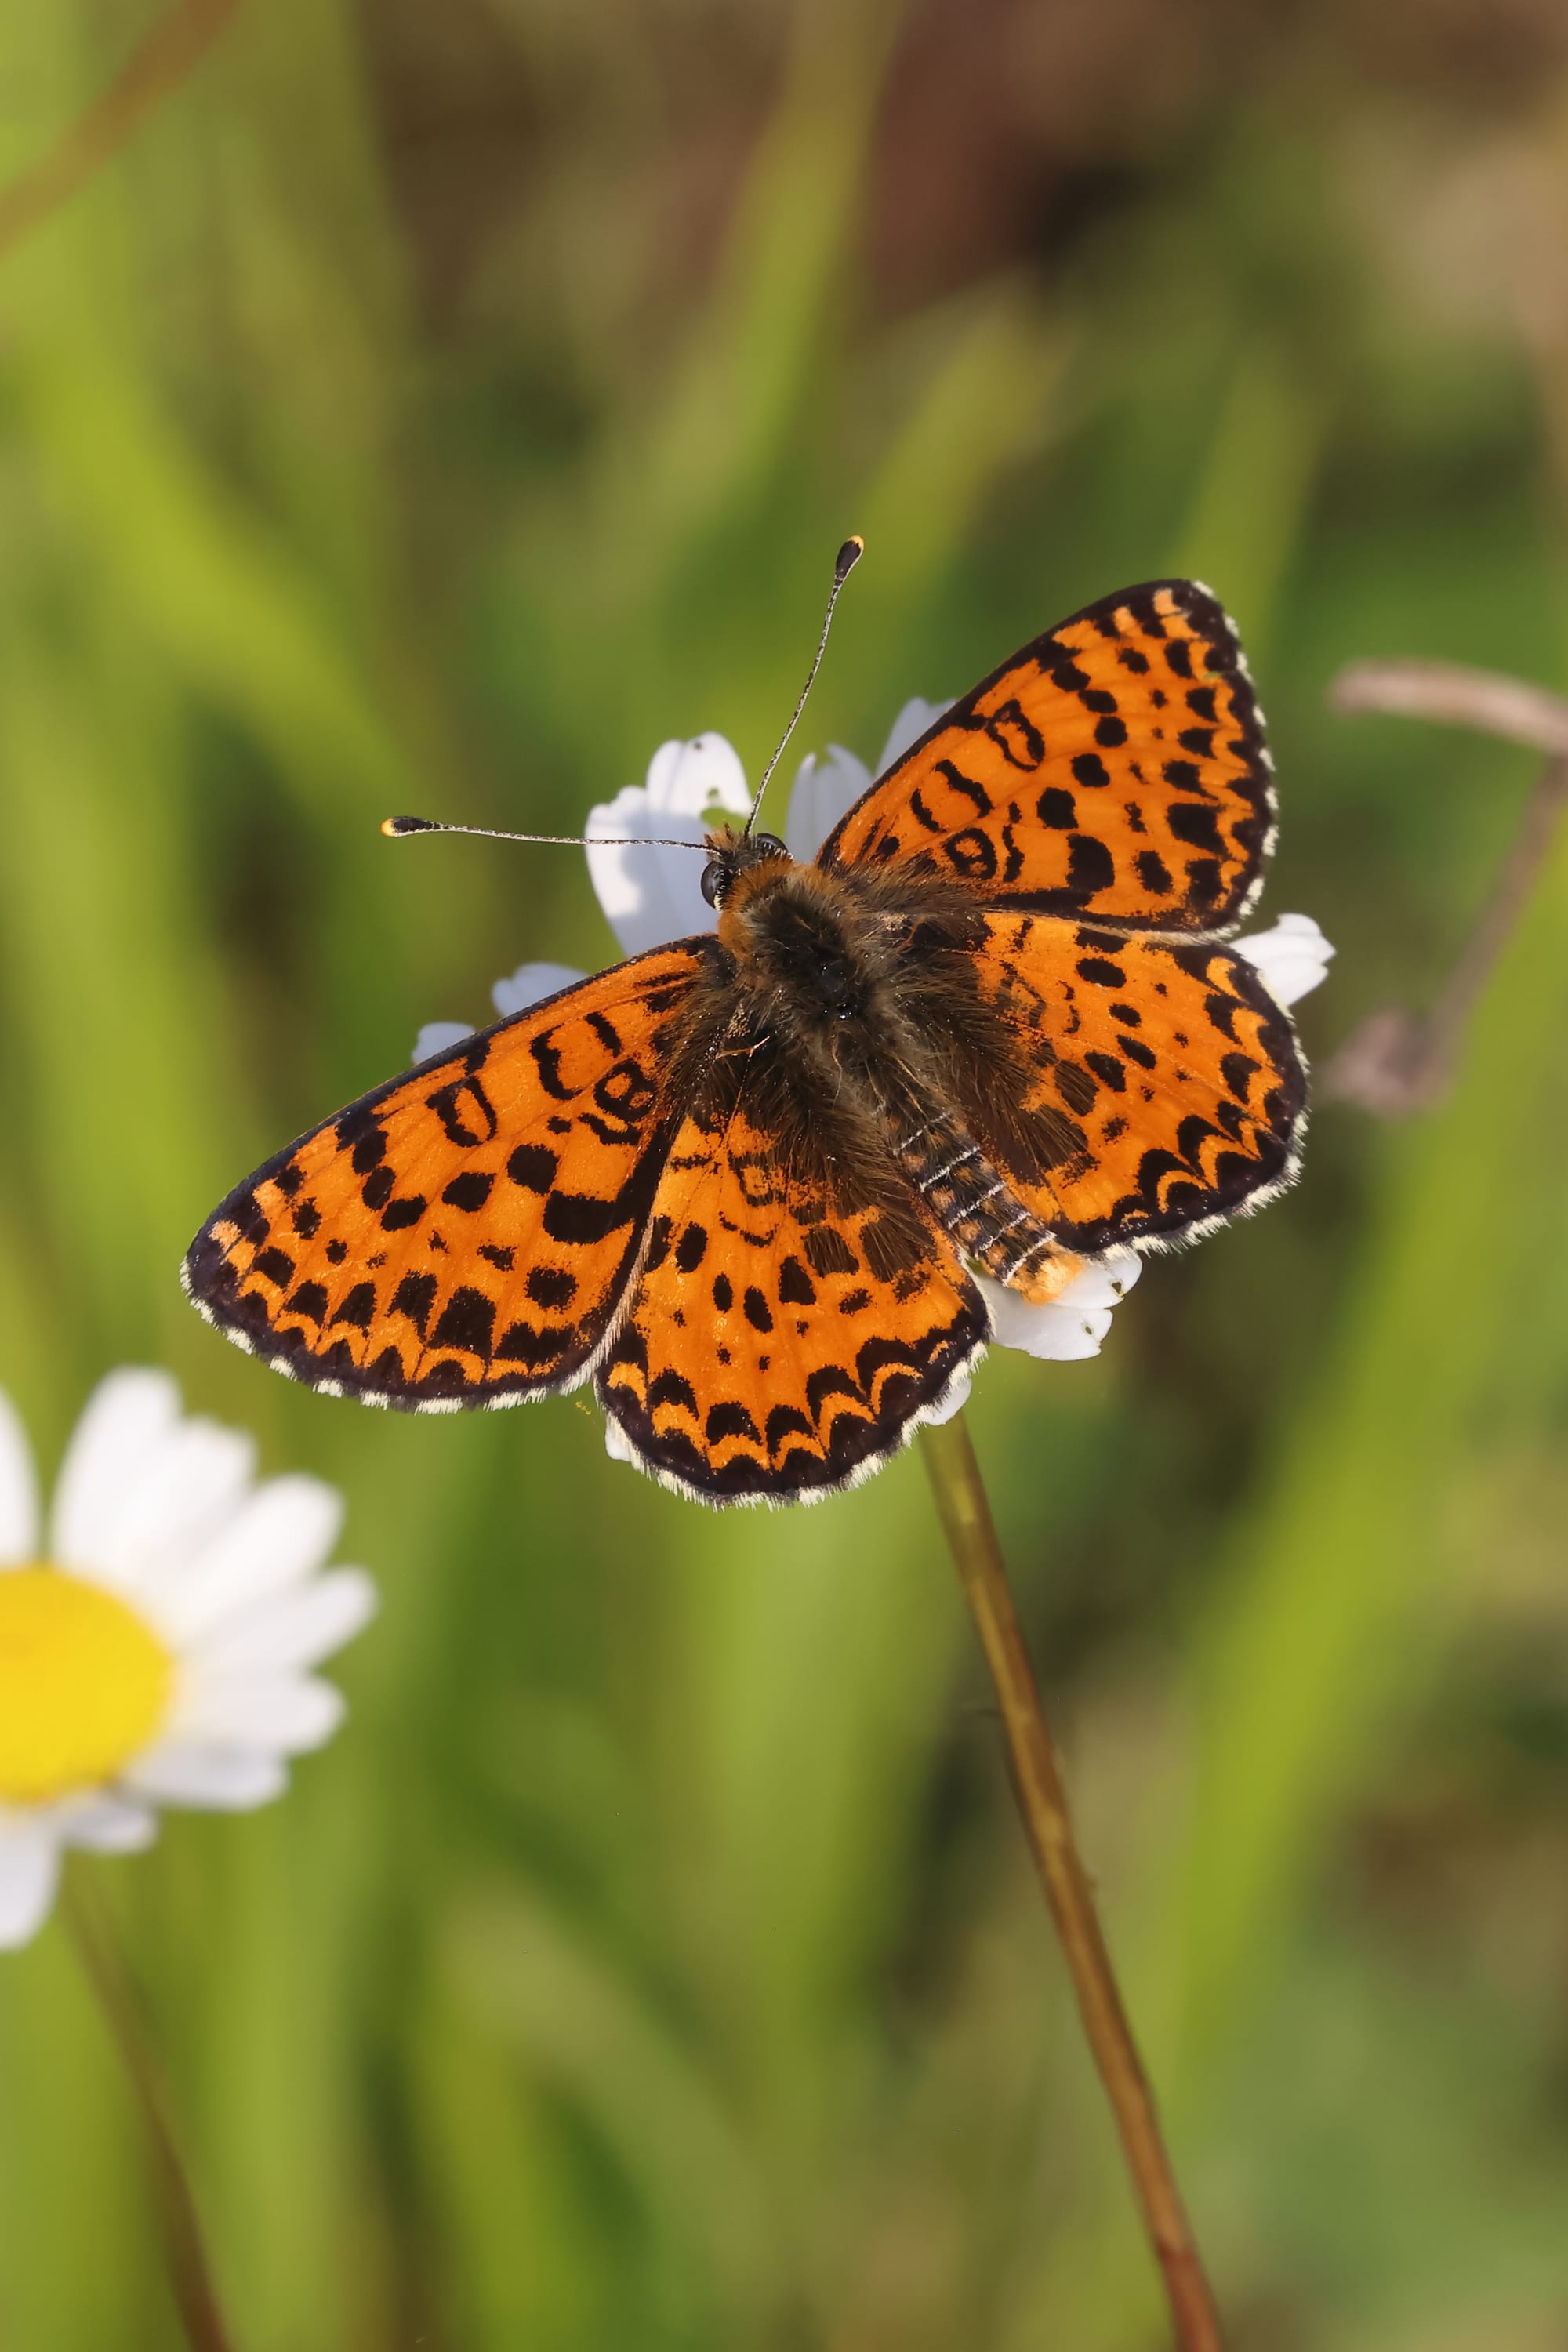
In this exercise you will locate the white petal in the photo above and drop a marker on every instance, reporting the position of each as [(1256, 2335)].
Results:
[(908, 728), (530, 983), (281, 1711), (646, 894), (618, 1445), (438, 1037), (1074, 1324), (125, 1416), (18, 1490), (281, 1535), (652, 895), (1105, 1281), (29, 1872), (296, 1628), (226, 1780), (686, 778), (1059, 1332), (190, 1483), (107, 1825), (825, 790), (1292, 957), (955, 1399)]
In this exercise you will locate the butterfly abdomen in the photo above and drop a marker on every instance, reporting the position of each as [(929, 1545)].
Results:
[(963, 1192)]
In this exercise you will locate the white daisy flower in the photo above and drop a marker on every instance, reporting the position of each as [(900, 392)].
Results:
[(653, 895), (156, 1644)]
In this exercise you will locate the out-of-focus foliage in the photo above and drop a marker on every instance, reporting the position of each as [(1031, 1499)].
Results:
[(435, 407)]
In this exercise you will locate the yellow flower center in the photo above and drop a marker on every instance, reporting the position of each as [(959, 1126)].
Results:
[(84, 1682)]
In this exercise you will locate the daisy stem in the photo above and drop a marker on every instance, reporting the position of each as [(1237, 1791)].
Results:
[(970, 1532), (190, 2270)]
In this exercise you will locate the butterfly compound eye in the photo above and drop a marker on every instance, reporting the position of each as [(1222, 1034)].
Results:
[(714, 878), (768, 845)]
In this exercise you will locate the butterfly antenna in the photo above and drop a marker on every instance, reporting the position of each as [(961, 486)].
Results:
[(394, 827), (844, 563)]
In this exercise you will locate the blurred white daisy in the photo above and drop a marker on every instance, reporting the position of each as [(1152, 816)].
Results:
[(156, 1643), (651, 894)]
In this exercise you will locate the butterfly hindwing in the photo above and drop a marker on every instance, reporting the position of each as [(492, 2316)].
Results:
[(776, 1350), (463, 1234), (1114, 769), (1162, 1075)]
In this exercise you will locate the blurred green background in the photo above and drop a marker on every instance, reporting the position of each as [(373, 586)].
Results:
[(435, 407)]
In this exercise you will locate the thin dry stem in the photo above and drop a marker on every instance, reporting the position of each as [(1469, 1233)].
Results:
[(1038, 1781), (156, 68), (1399, 1062), (190, 2270), (1452, 695)]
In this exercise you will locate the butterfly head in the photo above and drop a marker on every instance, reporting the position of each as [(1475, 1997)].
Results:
[(732, 854)]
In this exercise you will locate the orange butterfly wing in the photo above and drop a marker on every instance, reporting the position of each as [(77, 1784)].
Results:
[(774, 1351), (1114, 769), (464, 1234), (1168, 1057)]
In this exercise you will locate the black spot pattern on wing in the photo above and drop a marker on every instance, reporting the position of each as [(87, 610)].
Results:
[(1183, 1079), (825, 1336), (463, 1234), (1115, 768)]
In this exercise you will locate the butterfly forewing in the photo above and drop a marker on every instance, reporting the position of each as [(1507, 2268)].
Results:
[(464, 1234), (1165, 1062), (1115, 768), (778, 1348)]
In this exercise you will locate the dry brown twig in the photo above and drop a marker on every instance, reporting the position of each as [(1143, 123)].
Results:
[(157, 67), (1399, 1062)]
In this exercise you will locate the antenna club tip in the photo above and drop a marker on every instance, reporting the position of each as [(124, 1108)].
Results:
[(394, 825), (847, 557)]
